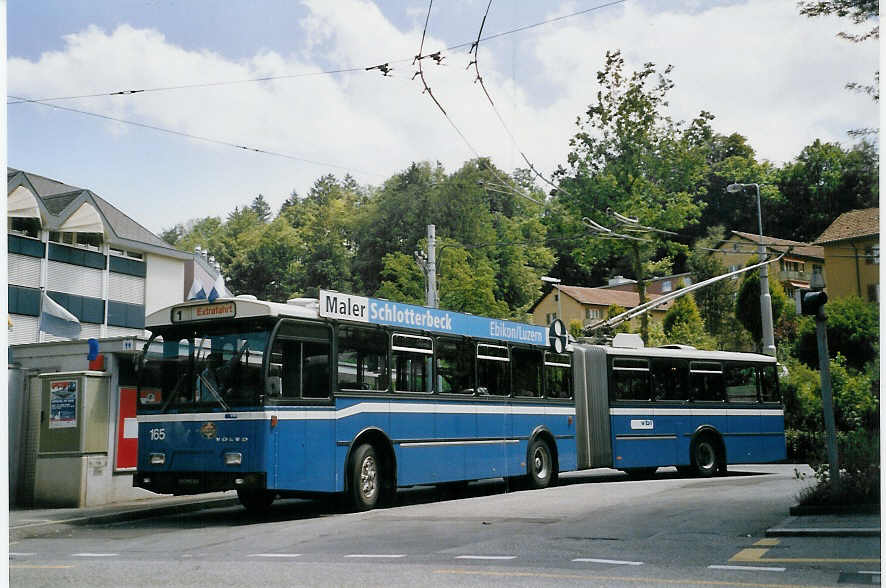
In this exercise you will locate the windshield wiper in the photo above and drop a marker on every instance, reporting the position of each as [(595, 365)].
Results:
[(209, 386)]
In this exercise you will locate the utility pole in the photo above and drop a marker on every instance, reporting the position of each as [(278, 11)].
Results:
[(428, 264), (432, 266)]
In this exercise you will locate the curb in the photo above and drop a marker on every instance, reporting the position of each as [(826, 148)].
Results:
[(29, 530), (833, 509)]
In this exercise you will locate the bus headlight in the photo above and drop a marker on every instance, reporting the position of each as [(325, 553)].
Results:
[(158, 458), (233, 458)]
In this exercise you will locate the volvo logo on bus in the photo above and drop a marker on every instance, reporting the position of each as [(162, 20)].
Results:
[(208, 430)]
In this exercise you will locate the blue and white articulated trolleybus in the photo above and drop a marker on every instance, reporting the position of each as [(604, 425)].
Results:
[(361, 396)]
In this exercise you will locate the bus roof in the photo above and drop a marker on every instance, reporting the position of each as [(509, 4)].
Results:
[(195, 311), (681, 353)]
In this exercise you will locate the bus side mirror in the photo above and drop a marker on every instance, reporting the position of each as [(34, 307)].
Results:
[(274, 387)]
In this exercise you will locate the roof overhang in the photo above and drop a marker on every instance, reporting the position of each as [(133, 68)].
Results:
[(22, 203), (86, 219)]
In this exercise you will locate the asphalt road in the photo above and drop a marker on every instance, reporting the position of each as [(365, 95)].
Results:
[(595, 528)]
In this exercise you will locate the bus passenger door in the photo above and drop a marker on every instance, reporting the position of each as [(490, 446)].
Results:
[(670, 390)]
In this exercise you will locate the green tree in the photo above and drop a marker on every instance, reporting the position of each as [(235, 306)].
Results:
[(715, 301), (747, 305), (823, 182), (402, 280), (853, 330), (266, 263), (261, 208), (682, 324), (630, 157)]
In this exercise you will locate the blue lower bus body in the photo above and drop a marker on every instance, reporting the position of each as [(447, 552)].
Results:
[(306, 448), (647, 436)]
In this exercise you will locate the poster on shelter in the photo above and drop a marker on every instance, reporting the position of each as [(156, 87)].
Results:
[(62, 404)]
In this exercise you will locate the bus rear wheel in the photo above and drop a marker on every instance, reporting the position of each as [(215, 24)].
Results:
[(705, 457), (540, 468), (365, 477), (256, 501)]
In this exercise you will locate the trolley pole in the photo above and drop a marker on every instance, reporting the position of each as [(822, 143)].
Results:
[(827, 398)]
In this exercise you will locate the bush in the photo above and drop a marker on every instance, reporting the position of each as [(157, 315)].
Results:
[(859, 456), (853, 331)]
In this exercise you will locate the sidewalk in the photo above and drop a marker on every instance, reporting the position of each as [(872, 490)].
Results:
[(28, 522), (828, 525)]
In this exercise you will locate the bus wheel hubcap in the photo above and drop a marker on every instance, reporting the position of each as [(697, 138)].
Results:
[(540, 463), (705, 456), (368, 477)]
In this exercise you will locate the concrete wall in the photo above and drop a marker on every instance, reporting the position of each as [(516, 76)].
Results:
[(163, 282)]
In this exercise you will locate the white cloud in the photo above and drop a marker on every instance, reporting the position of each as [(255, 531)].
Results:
[(762, 69)]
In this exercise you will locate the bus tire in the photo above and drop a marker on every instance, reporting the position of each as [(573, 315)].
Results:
[(706, 457), (365, 478), (540, 467), (256, 501)]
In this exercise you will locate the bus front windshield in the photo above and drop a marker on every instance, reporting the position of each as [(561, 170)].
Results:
[(203, 366)]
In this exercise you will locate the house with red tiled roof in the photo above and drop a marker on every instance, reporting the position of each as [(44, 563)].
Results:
[(851, 247), (794, 270), (587, 305)]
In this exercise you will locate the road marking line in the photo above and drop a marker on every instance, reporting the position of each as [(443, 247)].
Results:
[(275, 555), (874, 573), (94, 554), (768, 542), (377, 555), (609, 561), (27, 554), (749, 554), (749, 568), (486, 557), (35, 567), (610, 579)]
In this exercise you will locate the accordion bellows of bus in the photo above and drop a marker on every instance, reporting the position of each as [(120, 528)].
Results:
[(359, 396)]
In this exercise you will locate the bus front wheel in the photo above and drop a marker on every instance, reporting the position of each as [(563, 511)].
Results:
[(540, 468), (366, 479), (705, 457)]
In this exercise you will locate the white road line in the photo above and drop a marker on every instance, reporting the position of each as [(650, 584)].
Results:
[(11, 554), (275, 555), (486, 557), (94, 554), (747, 568), (609, 561), (377, 555), (873, 573)]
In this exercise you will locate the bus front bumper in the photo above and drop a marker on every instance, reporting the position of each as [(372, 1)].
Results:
[(197, 482)]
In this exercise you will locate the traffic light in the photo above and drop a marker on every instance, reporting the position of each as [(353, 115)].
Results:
[(809, 301)]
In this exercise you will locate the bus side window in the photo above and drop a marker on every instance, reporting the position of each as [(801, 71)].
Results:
[(362, 359), (492, 370), (669, 379), (412, 356), (315, 370), (741, 383), (302, 352), (768, 379), (455, 366), (705, 381), (558, 375), (526, 371), (630, 379)]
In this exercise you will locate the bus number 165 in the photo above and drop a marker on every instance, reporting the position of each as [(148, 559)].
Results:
[(158, 434)]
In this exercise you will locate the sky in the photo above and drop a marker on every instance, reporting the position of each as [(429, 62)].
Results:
[(759, 67)]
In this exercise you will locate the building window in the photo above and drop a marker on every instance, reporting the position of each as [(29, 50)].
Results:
[(816, 269), (593, 313), (26, 227), (667, 286), (872, 255), (86, 240), (550, 317), (873, 292)]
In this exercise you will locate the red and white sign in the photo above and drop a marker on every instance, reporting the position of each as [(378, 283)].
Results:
[(127, 430)]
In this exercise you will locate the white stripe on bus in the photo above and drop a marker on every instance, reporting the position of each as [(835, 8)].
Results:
[(649, 410), (360, 408)]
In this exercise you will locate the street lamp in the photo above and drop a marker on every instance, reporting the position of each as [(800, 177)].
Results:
[(765, 298), (555, 282)]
